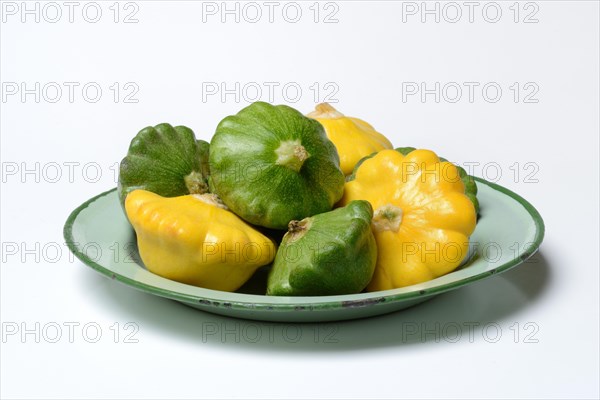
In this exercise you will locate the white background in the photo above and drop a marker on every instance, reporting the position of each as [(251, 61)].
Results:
[(534, 329)]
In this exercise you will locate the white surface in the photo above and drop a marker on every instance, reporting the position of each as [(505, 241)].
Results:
[(367, 54)]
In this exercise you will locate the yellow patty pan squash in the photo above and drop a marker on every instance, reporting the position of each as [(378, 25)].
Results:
[(194, 239), (353, 137), (422, 218)]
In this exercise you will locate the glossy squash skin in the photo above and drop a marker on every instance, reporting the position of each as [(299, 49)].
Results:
[(165, 160), (271, 165)]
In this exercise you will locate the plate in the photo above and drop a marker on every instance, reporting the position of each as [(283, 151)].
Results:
[(508, 232)]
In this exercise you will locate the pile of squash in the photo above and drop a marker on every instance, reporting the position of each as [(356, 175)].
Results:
[(323, 200)]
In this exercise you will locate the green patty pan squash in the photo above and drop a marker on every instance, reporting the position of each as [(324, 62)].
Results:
[(165, 160), (194, 239), (271, 165), (422, 218), (327, 254)]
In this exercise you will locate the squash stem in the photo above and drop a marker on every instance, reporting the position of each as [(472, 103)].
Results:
[(325, 111), (291, 154), (297, 229), (195, 183), (211, 199), (387, 218)]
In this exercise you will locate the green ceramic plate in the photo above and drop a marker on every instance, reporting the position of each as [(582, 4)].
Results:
[(508, 232)]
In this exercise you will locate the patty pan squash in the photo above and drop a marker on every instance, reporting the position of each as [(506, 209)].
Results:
[(327, 254), (165, 160), (469, 182), (271, 164), (194, 239), (353, 137), (422, 218)]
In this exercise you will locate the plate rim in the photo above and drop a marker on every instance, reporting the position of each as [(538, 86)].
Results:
[(316, 302)]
